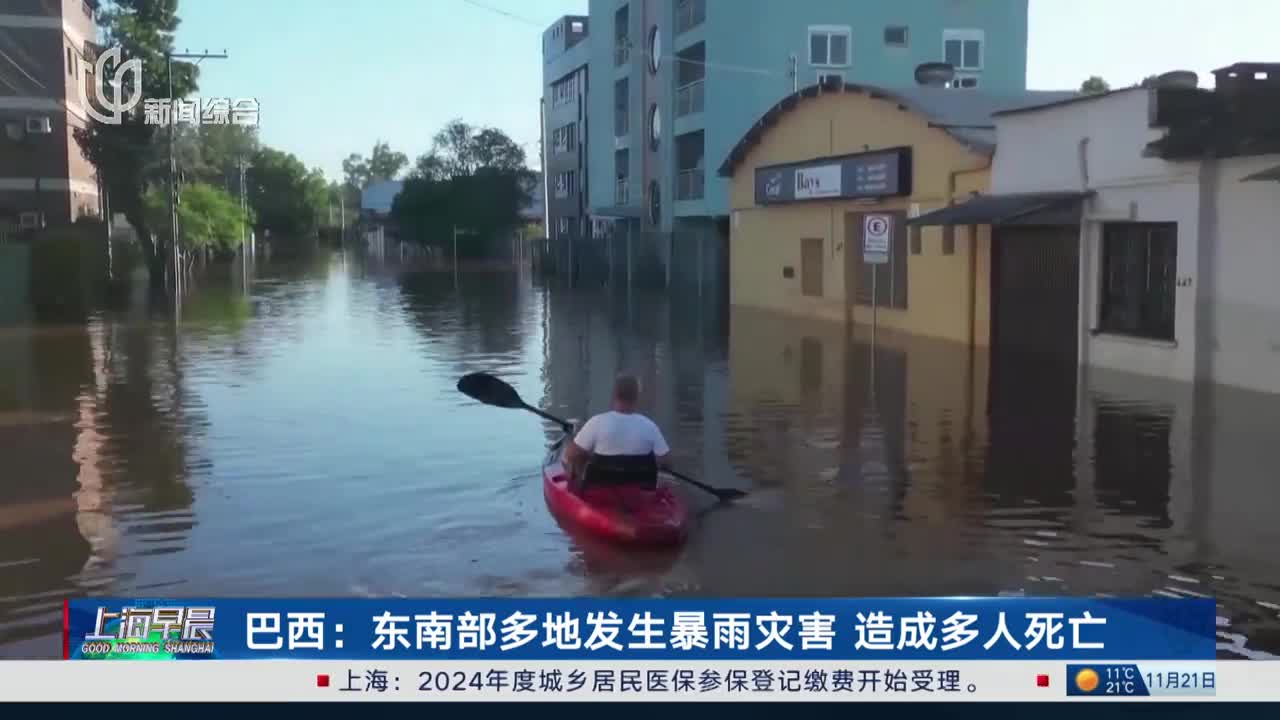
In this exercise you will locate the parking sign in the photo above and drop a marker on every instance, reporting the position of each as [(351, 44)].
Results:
[(877, 234)]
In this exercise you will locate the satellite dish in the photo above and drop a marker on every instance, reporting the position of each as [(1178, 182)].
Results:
[(1178, 79), (935, 74)]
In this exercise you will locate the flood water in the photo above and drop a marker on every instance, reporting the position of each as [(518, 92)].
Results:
[(304, 437)]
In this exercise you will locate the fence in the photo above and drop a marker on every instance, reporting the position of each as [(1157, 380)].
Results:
[(690, 14), (693, 263), (689, 98)]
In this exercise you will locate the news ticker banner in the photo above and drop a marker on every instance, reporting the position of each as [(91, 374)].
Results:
[(598, 629), (641, 681)]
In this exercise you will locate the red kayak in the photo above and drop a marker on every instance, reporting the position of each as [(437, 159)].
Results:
[(627, 515)]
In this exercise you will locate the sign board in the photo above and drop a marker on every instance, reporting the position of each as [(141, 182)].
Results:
[(817, 182), (883, 173), (877, 235)]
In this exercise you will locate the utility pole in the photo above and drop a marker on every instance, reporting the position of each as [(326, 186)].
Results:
[(169, 57), (242, 164)]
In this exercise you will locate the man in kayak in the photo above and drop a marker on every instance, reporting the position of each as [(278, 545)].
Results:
[(621, 443)]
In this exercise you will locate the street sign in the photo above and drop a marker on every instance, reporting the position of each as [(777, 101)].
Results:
[(877, 235)]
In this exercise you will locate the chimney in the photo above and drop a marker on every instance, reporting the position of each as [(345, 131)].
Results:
[(1247, 77), (1249, 94)]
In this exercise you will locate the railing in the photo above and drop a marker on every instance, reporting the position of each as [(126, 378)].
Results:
[(621, 53), (689, 184), (689, 99), (690, 14), (622, 191)]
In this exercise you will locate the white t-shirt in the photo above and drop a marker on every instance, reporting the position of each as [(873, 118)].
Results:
[(615, 433)]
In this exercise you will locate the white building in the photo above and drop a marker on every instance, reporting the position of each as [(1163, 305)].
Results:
[(1178, 221)]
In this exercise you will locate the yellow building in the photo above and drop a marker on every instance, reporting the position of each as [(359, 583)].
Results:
[(832, 161)]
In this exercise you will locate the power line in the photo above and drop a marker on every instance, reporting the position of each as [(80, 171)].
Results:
[(644, 54), (513, 16)]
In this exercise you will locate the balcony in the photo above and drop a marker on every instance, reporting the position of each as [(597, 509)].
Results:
[(689, 99), (690, 14), (621, 122), (622, 52), (689, 184), (622, 191)]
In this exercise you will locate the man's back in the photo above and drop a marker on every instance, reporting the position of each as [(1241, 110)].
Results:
[(619, 433)]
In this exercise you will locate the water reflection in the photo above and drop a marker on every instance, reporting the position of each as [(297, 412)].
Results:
[(301, 435)]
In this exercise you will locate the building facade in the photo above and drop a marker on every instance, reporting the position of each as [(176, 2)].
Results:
[(564, 114), (834, 164), (49, 47), (678, 82), (1167, 269)]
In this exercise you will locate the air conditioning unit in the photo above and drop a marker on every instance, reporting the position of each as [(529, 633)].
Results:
[(40, 125)]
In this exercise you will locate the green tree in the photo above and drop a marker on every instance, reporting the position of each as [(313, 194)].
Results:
[(222, 147), (286, 197), (383, 164), (1094, 86), (209, 218), (1149, 81), (470, 178), (460, 149), (123, 153)]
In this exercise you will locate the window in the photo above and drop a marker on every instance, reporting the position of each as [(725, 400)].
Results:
[(1139, 267), (655, 50), (565, 139), (71, 63), (890, 279), (564, 91), (895, 36), (28, 220), (655, 126), (39, 125), (690, 14), (829, 45), (963, 49), (963, 81), (562, 226), (575, 26), (565, 184), (811, 267)]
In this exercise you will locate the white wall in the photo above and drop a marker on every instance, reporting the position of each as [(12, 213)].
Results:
[(1097, 145), (1177, 201), (1041, 150), (1244, 313)]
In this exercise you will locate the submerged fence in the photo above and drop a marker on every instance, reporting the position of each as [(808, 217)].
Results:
[(690, 262)]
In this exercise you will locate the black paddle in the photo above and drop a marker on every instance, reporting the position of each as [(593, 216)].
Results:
[(493, 391)]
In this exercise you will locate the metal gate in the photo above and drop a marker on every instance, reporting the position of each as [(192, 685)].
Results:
[(1035, 299)]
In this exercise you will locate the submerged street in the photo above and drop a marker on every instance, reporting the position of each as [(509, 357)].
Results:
[(304, 437)]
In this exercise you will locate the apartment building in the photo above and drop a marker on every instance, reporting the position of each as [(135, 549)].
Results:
[(678, 82), (47, 48), (564, 129)]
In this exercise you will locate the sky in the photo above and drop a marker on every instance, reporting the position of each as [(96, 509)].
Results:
[(334, 76)]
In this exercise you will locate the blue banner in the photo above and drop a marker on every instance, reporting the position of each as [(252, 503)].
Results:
[(675, 629)]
